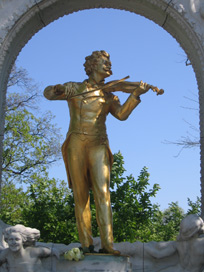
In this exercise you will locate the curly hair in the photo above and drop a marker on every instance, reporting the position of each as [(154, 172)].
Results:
[(92, 60), (29, 235)]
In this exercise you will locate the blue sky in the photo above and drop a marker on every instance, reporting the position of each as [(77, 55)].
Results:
[(144, 51)]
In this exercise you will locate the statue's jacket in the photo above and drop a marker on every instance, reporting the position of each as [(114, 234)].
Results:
[(88, 110)]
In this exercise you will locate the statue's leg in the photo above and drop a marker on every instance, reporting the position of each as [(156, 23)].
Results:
[(99, 167), (78, 172)]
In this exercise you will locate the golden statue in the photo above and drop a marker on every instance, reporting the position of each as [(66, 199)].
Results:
[(86, 151)]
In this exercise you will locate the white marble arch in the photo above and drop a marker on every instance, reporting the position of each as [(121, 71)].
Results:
[(183, 19)]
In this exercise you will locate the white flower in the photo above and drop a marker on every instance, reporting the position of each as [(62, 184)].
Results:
[(76, 250), (74, 254), (69, 255), (77, 257)]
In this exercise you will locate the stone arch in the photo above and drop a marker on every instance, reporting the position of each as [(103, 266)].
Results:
[(183, 19)]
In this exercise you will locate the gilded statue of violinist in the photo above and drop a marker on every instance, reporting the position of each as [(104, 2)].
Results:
[(86, 151)]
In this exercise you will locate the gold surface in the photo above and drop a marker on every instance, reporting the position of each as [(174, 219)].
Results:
[(86, 151)]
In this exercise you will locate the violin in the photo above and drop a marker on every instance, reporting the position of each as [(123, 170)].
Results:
[(131, 86), (157, 90), (128, 86)]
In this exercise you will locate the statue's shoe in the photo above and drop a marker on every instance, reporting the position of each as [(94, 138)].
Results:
[(89, 249), (110, 250)]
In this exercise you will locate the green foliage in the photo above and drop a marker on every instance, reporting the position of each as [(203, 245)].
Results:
[(134, 215), (165, 225), (48, 205), (194, 207), (31, 141), (13, 199), (51, 210), (31, 144), (131, 202), (172, 218), (95, 230), (28, 145)]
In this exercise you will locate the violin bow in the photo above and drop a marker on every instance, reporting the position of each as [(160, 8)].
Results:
[(115, 82), (107, 85)]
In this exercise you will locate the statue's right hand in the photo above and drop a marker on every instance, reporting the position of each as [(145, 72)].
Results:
[(58, 89)]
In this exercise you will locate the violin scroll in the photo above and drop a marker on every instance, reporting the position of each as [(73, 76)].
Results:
[(153, 88), (157, 90)]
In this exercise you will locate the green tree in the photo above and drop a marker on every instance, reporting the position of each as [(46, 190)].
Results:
[(194, 207), (131, 201), (169, 223), (12, 202), (31, 141), (51, 210), (135, 217), (28, 146), (49, 206)]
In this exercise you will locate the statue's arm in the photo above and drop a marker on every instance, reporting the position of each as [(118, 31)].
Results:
[(56, 92), (199, 242), (160, 249), (122, 112), (3, 255), (43, 252), (61, 92)]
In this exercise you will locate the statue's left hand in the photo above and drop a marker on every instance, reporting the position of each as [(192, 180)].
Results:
[(56, 253), (141, 89)]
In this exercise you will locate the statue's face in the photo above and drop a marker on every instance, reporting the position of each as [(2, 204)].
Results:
[(104, 67), (15, 241)]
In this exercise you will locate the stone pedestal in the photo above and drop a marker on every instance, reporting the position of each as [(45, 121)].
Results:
[(96, 263)]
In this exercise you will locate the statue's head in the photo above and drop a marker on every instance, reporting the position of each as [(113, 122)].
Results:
[(191, 226), (98, 61), (19, 236)]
